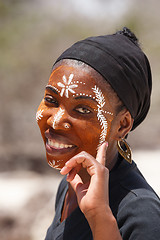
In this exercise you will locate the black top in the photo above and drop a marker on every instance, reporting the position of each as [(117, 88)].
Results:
[(133, 202)]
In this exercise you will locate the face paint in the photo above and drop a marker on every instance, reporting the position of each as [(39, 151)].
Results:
[(66, 87), (39, 115), (57, 117), (52, 164), (88, 111), (103, 122), (53, 87)]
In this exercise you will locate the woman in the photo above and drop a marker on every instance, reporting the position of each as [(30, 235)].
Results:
[(99, 90)]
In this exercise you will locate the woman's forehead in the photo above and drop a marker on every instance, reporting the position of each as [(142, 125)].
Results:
[(75, 82), (84, 78)]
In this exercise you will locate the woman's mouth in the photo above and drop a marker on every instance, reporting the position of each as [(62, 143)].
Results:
[(54, 147), (57, 145)]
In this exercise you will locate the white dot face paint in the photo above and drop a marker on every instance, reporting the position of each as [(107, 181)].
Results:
[(57, 117), (39, 115)]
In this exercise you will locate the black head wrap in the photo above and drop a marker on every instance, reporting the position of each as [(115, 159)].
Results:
[(123, 64)]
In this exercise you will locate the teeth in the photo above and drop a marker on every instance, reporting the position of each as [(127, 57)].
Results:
[(58, 145)]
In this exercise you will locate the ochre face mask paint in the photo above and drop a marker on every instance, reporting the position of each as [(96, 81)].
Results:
[(74, 104)]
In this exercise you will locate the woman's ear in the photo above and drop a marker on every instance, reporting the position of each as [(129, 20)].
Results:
[(125, 124)]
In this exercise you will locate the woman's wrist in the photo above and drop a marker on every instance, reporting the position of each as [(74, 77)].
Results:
[(99, 214), (103, 224)]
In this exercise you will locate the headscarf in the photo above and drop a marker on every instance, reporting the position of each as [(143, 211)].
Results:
[(122, 63)]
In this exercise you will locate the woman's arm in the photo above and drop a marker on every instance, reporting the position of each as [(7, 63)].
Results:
[(103, 225), (92, 195)]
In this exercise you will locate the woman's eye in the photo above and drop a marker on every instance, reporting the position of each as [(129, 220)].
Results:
[(83, 110), (51, 100)]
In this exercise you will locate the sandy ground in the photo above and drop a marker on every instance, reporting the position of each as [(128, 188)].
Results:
[(28, 198)]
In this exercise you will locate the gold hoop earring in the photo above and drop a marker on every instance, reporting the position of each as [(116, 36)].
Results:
[(125, 153)]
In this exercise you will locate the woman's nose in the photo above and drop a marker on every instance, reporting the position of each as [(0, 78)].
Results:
[(59, 121)]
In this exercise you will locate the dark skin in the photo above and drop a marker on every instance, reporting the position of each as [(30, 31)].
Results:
[(74, 152)]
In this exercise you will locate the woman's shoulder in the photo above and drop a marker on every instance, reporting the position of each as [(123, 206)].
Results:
[(135, 205), (138, 215), (127, 184), (129, 177)]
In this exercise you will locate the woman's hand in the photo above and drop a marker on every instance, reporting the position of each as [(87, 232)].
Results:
[(92, 195)]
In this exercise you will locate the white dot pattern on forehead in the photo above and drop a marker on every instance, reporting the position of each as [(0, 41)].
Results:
[(39, 115), (78, 82), (83, 94)]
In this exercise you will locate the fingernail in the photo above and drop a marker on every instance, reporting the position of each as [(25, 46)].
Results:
[(62, 170), (106, 144)]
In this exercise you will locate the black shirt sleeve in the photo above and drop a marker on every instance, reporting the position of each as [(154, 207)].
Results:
[(139, 216)]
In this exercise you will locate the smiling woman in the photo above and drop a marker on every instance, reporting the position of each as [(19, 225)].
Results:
[(70, 112), (99, 90)]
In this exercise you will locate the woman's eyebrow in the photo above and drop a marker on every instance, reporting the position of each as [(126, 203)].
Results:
[(52, 88), (86, 97), (56, 91)]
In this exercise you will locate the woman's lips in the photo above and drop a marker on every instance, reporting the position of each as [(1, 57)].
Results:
[(58, 144), (53, 147)]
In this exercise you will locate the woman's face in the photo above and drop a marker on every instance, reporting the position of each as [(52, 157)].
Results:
[(75, 114)]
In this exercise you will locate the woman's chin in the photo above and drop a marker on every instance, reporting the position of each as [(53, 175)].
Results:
[(54, 162)]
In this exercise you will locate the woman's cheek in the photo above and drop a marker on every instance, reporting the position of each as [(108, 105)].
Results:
[(41, 116), (104, 131), (40, 112), (108, 130), (89, 132)]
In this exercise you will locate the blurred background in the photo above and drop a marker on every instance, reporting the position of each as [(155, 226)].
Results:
[(33, 34)]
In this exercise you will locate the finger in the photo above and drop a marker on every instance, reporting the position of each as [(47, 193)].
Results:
[(76, 183), (72, 163), (65, 170), (82, 159), (101, 154), (71, 174)]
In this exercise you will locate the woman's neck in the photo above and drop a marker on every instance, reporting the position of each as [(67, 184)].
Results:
[(70, 203)]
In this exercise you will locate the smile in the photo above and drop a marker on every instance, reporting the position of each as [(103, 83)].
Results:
[(57, 145), (57, 148)]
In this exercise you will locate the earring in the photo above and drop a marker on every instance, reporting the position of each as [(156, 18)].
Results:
[(125, 153)]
